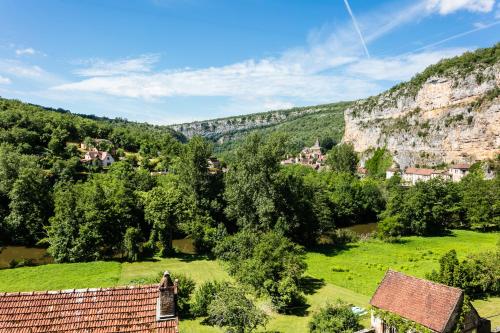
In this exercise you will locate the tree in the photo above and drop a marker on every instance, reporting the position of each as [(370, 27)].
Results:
[(252, 183), (336, 318), (427, 208), (378, 164), (58, 139), (481, 201), (131, 242), (343, 158), (164, 210), (30, 206), (269, 263), (204, 296), (203, 190), (477, 275), (234, 311)]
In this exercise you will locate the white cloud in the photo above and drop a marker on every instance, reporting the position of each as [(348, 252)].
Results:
[(20, 69), (99, 67), (4, 80), (401, 67), (445, 7), (26, 51)]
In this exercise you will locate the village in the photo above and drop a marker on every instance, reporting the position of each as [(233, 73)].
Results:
[(313, 157)]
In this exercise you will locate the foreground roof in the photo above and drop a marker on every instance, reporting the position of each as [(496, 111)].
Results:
[(427, 303), (121, 309)]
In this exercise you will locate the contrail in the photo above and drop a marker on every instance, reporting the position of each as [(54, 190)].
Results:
[(357, 27), (456, 36)]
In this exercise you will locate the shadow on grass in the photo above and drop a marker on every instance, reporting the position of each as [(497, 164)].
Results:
[(330, 250), (311, 285), (186, 257)]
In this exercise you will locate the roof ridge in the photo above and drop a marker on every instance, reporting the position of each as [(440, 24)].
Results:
[(75, 291), (426, 280)]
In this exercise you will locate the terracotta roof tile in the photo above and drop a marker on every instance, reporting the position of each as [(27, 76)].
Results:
[(121, 309), (427, 303), (419, 171)]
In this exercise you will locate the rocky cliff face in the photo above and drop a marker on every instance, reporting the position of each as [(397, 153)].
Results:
[(445, 117)]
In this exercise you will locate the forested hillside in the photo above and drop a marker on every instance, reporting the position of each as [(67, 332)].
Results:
[(302, 125)]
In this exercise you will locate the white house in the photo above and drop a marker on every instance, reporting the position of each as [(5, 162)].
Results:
[(459, 171), (99, 158), (412, 175)]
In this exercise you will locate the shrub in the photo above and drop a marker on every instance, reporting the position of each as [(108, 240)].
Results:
[(234, 311), (269, 263), (344, 236), (204, 296), (336, 318)]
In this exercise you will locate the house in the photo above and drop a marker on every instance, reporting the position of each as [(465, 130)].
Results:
[(459, 171), (150, 308), (443, 174), (412, 175), (389, 173), (432, 305), (99, 158)]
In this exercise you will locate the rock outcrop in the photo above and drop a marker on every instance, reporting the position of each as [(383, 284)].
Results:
[(449, 117)]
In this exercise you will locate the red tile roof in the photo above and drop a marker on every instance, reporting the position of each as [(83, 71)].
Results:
[(419, 171), (121, 309), (462, 166), (427, 303)]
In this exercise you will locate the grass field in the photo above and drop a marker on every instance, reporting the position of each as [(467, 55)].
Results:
[(351, 274)]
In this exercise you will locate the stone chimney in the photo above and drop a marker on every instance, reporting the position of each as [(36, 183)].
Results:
[(166, 304)]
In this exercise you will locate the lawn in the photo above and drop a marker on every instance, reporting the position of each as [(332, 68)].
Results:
[(351, 274), (361, 266)]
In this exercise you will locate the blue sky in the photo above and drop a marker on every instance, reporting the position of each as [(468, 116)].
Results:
[(171, 61)]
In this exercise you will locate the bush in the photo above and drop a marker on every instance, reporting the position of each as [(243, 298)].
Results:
[(336, 318), (204, 296), (344, 236), (234, 311), (269, 263)]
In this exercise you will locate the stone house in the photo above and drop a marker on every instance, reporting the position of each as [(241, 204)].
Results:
[(434, 306), (141, 309), (412, 175), (98, 158), (459, 171)]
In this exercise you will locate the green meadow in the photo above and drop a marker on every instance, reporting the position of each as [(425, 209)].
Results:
[(350, 273)]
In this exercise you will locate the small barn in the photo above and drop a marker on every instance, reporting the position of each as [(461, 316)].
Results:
[(433, 306)]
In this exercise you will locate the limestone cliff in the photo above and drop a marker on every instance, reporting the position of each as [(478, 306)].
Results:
[(448, 113)]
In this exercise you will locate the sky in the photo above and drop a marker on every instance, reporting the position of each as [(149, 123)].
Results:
[(174, 61)]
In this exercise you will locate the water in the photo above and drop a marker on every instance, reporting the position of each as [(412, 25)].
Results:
[(39, 256), (184, 245), (363, 229)]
